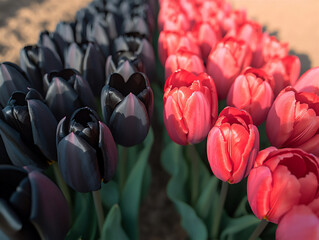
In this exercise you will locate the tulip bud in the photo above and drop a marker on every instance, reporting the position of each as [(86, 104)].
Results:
[(27, 128), (309, 81), (67, 31), (12, 78), (285, 71), (190, 106), (37, 61), (31, 205), (232, 145), (87, 152), (135, 26), (123, 66), (252, 92), (127, 106), (225, 62), (281, 179), (293, 120), (185, 60), (66, 91), (88, 59), (82, 19)]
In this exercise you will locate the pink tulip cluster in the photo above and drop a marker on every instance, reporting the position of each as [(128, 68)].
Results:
[(212, 52)]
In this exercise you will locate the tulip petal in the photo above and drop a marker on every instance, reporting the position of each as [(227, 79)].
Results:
[(10, 222), (110, 98), (74, 57), (259, 187), (308, 188), (49, 210), (129, 122), (43, 128), (109, 152), (78, 164), (311, 145), (18, 152), (84, 92)]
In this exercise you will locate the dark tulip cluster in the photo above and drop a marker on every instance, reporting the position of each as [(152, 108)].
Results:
[(31, 205)]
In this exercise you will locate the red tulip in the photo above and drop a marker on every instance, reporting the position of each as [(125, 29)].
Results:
[(252, 92), (232, 145), (281, 179), (309, 81), (285, 71), (232, 21), (301, 222), (169, 42), (293, 120), (190, 106), (185, 60), (226, 61)]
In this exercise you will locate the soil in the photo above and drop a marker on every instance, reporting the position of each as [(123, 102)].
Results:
[(292, 21)]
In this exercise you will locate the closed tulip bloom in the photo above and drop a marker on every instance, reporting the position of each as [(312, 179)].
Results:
[(169, 42), (12, 78), (27, 128), (135, 25), (31, 205), (127, 106), (252, 92), (190, 106), (125, 66), (299, 223), (285, 71), (232, 145), (67, 31), (36, 61), (185, 60), (281, 179), (225, 63), (66, 91), (87, 153), (88, 59), (309, 81), (293, 120)]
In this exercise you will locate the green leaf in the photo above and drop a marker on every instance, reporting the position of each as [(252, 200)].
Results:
[(174, 162), (146, 181), (241, 209), (236, 225), (131, 195), (112, 228), (85, 221), (110, 194)]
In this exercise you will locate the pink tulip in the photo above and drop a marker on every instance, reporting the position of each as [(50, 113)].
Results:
[(285, 71), (185, 60), (309, 81), (293, 120), (232, 145), (226, 61), (281, 179), (190, 106), (252, 92)]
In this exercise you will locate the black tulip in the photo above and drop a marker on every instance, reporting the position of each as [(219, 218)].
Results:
[(82, 19), (36, 61), (66, 91), (27, 128), (67, 31), (12, 78), (122, 66), (137, 26), (87, 152), (127, 107), (31, 206), (88, 59), (54, 42)]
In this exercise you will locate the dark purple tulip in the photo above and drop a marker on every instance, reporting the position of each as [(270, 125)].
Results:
[(66, 91), (88, 59), (54, 42), (27, 128), (82, 19), (67, 31), (127, 107), (31, 206), (12, 78), (36, 61), (87, 152), (122, 66), (136, 47), (136, 26)]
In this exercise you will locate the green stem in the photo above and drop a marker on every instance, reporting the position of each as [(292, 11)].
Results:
[(98, 208), (194, 158), (64, 188), (259, 229), (122, 166), (218, 215)]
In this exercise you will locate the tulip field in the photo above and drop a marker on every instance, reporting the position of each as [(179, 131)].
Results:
[(142, 118)]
